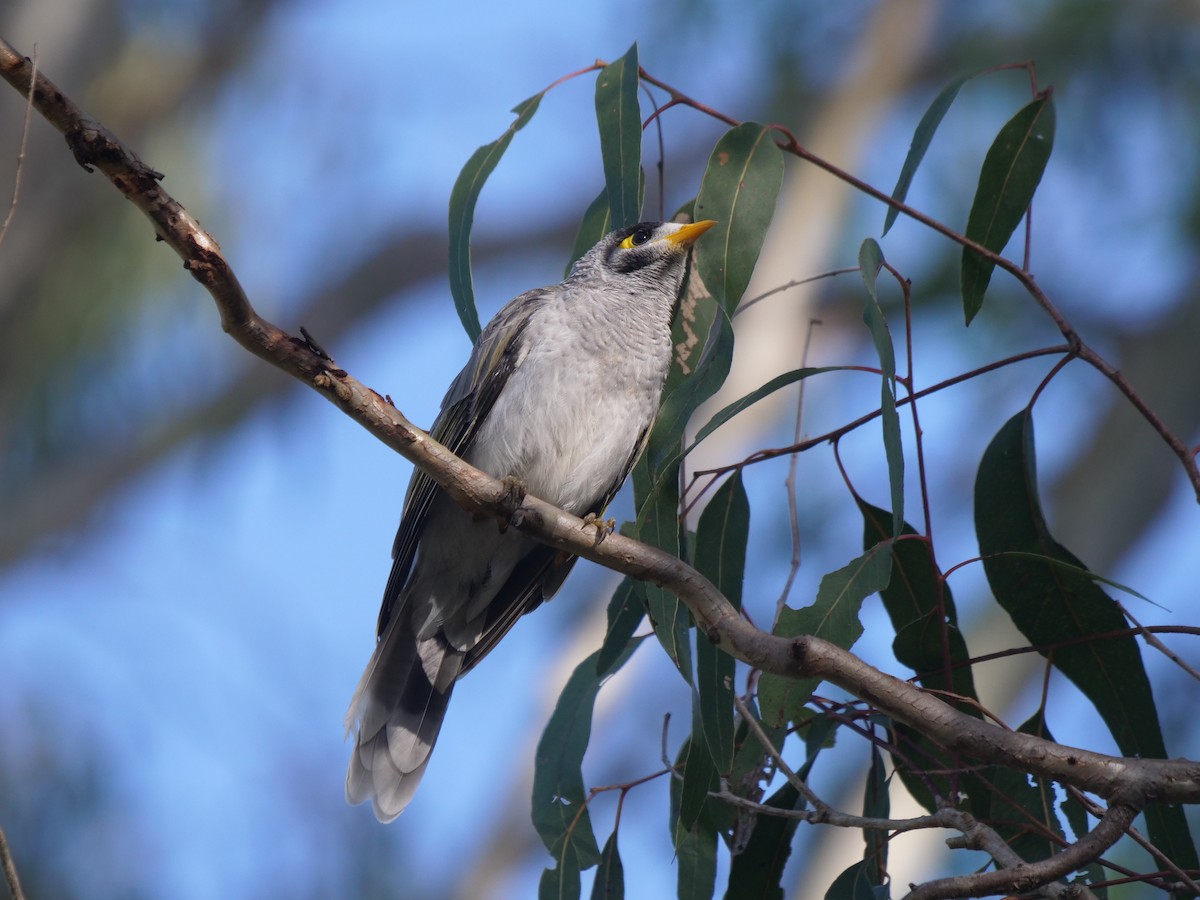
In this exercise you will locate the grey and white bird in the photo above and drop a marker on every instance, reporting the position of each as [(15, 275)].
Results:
[(560, 392)]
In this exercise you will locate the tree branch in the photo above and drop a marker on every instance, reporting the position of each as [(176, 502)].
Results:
[(10, 869)]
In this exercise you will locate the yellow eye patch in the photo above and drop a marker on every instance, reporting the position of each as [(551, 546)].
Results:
[(636, 239)]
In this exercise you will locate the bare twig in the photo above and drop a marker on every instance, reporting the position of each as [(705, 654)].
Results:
[(790, 483), (1016, 875), (16, 194), (10, 869)]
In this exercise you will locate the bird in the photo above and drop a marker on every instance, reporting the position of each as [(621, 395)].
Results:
[(559, 394)]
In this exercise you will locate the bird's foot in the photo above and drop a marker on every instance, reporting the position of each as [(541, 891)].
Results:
[(514, 496), (604, 527)]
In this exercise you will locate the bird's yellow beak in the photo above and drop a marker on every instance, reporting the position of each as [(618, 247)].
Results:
[(687, 235)]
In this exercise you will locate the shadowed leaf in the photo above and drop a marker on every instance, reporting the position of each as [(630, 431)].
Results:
[(870, 261), (559, 813), (922, 137), (1010, 175), (1051, 604), (721, 538)]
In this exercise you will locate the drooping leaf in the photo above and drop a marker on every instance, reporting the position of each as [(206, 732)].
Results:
[(1051, 604), (721, 538), (619, 118), (561, 882), (699, 778), (919, 602), (921, 608), (696, 856), (1012, 170), (752, 767), (870, 261), (832, 616), (463, 198), (757, 872), (610, 874), (626, 610), (658, 525), (738, 190), (559, 813), (1023, 812), (922, 137)]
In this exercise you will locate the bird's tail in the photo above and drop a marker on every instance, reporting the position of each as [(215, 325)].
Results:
[(398, 708)]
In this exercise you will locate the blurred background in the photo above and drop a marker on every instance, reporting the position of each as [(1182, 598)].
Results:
[(192, 547)]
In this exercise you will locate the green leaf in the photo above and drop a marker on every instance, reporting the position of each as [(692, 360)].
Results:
[(757, 872), (658, 525), (620, 120), (1051, 604), (928, 641), (662, 450), (1023, 813), (738, 190), (697, 862), (561, 883), (858, 882), (740, 405), (834, 617), (876, 805), (626, 610), (610, 876), (699, 778), (870, 261), (1010, 175), (559, 811), (721, 539), (463, 198), (922, 137), (919, 602), (596, 223)]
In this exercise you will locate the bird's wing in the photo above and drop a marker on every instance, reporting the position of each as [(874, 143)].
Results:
[(472, 394), (538, 576)]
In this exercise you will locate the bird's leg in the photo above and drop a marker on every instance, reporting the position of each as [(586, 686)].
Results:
[(604, 527), (514, 496)]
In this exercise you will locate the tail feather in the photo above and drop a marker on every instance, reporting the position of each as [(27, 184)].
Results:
[(398, 707)]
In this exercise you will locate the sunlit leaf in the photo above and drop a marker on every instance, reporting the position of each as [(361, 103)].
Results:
[(1010, 175), (833, 616), (739, 190), (463, 198), (619, 117)]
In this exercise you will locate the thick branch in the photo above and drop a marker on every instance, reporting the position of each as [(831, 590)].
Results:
[(1168, 781)]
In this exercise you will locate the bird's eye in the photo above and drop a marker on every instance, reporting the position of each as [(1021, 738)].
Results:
[(636, 239)]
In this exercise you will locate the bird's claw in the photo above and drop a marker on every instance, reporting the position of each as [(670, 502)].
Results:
[(514, 496), (604, 527)]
